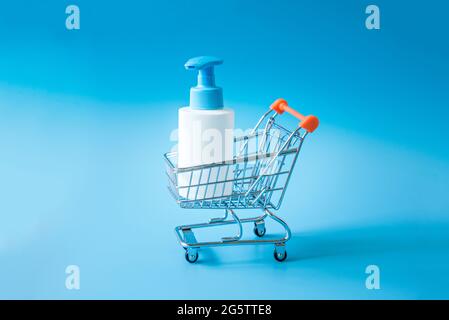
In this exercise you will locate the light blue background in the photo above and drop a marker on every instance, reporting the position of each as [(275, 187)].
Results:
[(86, 115)]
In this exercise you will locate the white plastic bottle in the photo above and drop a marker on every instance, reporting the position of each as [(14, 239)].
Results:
[(205, 135)]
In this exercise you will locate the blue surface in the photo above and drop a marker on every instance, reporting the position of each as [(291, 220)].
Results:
[(86, 115)]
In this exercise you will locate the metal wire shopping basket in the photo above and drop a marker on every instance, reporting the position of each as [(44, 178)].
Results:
[(256, 178)]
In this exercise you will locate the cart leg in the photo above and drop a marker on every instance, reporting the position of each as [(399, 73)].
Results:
[(240, 231), (280, 254), (288, 233), (191, 253), (221, 219)]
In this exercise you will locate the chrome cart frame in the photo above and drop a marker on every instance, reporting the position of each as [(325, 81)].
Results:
[(259, 175)]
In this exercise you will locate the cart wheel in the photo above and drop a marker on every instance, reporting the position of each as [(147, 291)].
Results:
[(280, 255), (259, 231), (191, 257)]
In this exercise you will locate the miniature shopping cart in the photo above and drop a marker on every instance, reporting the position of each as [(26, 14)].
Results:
[(258, 175)]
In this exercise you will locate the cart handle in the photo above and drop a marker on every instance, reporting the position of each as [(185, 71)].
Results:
[(309, 123)]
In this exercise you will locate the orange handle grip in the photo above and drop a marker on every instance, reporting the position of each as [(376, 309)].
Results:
[(309, 123)]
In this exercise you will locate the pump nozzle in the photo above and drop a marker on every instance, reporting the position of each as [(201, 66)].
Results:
[(205, 95)]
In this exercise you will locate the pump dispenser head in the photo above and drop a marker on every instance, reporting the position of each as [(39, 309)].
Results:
[(205, 95)]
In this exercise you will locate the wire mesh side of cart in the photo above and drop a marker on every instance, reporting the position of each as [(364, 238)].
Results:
[(256, 177)]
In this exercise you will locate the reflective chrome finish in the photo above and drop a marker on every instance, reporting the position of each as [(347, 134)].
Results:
[(261, 170)]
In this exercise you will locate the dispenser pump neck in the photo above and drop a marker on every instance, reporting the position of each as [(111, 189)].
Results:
[(206, 77), (205, 95)]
